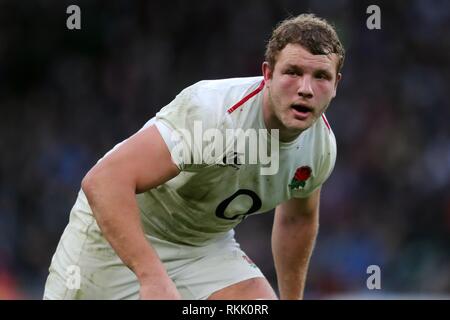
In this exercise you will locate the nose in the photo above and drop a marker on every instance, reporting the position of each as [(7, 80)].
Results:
[(305, 88)]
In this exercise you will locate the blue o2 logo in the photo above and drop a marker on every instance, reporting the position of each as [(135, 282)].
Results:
[(256, 204)]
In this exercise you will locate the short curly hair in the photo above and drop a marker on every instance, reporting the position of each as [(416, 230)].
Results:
[(311, 32)]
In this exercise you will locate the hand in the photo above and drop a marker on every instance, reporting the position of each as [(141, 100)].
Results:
[(157, 290)]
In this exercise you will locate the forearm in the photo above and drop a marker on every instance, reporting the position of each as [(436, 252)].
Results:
[(292, 245), (116, 211)]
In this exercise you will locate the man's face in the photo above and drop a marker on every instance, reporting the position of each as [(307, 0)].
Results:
[(299, 89)]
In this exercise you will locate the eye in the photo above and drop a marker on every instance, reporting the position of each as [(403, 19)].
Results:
[(322, 76), (292, 72)]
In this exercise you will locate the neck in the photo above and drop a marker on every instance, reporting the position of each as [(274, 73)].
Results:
[(272, 122)]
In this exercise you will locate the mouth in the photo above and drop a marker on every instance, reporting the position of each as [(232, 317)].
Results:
[(301, 111)]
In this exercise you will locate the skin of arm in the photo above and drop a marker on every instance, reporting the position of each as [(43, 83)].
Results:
[(140, 163), (295, 229)]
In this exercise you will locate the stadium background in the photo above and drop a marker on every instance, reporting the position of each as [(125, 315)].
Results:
[(67, 97)]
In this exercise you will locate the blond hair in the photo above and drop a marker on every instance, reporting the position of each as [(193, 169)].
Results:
[(313, 33)]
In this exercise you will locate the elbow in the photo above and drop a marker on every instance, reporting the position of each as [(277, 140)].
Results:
[(87, 184), (94, 184), (102, 184)]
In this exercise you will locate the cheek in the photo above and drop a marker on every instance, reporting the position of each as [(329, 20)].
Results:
[(280, 86), (287, 85), (325, 91), (288, 93)]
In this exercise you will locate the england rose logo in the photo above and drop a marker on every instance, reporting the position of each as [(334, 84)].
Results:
[(301, 175)]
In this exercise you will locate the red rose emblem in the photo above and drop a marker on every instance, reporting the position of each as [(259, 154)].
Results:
[(302, 173)]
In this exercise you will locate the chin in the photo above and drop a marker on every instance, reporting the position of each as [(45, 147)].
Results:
[(300, 125), (296, 127)]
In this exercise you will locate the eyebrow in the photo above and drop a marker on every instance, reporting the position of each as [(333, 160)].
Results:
[(296, 67)]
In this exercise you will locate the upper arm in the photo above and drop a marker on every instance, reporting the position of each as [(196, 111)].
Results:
[(304, 209), (142, 162)]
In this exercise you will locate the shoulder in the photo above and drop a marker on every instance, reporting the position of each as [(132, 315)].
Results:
[(322, 138), (321, 145), (223, 93), (207, 101), (230, 84), (326, 151)]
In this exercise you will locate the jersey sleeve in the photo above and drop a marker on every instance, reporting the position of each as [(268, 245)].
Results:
[(191, 126), (325, 165)]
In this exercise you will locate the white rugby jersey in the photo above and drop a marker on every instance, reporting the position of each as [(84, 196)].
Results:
[(208, 198)]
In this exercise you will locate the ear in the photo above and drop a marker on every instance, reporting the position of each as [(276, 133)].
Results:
[(338, 78), (267, 72)]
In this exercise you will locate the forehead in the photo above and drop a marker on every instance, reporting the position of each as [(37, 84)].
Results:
[(295, 54)]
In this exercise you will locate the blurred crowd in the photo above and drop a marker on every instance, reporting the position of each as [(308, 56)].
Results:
[(67, 97)]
